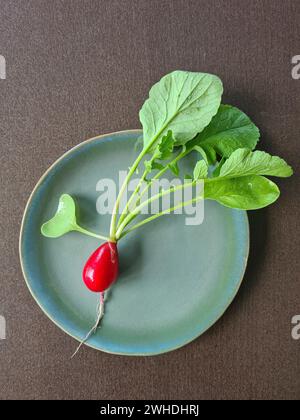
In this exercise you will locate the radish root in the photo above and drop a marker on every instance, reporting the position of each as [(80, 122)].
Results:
[(100, 313)]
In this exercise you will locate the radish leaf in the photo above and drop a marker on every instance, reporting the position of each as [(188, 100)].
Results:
[(245, 193), (240, 184), (64, 220), (244, 162), (163, 151), (228, 131), (182, 102), (165, 147)]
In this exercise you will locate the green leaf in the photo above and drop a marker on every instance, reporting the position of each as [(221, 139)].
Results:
[(240, 183), (244, 162), (157, 166), (182, 102), (201, 170), (148, 165), (152, 165), (64, 220), (245, 193), (165, 147), (228, 131), (163, 151)]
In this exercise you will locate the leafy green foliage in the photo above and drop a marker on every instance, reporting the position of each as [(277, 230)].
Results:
[(183, 115), (237, 179), (238, 182), (182, 102), (228, 131)]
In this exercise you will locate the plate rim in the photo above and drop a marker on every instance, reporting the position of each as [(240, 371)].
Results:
[(99, 348)]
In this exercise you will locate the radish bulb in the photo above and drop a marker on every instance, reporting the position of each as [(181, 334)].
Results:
[(102, 268), (99, 273)]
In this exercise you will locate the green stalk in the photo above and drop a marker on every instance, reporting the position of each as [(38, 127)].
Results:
[(156, 216), (137, 210), (128, 178), (157, 176), (122, 190), (93, 235), (138, 187)]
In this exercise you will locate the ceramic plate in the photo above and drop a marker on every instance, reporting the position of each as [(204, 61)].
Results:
[(176, 281)]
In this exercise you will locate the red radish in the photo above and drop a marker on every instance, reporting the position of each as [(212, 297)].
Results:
[(99, 273), (102, 268)]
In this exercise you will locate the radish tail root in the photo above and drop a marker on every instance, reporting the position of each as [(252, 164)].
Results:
[(100, 313)]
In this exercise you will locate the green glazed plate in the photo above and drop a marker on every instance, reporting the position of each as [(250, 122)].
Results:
[(176, 281)]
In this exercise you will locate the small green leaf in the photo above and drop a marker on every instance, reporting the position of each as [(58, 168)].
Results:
[(158, 166), (245, 193), (201, 170), (244, 162), (165, 147), (148, 165), (152, 165), (64, 220), (163, 151)]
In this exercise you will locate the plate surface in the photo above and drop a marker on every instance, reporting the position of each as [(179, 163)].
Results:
[(176, 281)]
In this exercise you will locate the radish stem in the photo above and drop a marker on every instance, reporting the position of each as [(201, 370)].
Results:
[(137, 210), (122, 190), (157, 176), (93, 235), (138, 187), (156, 216), (129, 176)]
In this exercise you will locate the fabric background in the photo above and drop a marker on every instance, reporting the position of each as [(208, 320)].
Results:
[(76, 69)]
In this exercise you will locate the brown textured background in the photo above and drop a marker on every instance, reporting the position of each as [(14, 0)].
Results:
[(76, 69)]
